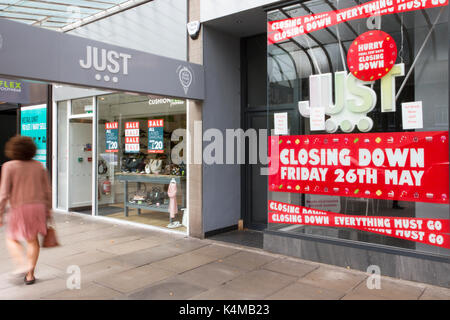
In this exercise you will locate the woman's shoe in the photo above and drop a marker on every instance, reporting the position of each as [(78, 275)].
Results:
[(28, 282)]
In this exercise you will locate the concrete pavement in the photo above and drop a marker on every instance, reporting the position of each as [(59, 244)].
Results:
[(124, 262)]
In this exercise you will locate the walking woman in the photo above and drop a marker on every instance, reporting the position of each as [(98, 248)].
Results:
[(25, 184)]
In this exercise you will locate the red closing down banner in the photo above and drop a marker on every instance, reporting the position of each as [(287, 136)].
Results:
[(429, 231), (407, 166), (281, 30)]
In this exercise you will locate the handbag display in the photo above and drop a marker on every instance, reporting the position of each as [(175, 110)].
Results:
[(50, 240)]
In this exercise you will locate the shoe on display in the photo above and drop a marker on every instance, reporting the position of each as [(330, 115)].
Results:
[(175, 224)]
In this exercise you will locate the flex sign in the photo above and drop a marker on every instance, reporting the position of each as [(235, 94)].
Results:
[(82, 62)]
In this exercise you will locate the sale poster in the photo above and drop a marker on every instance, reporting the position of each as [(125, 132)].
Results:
[(372, 55), (132, 137), (412, 115), (280, 123), (112, 136), (408, 166), (317, 119), (156, 136), (428, 231)]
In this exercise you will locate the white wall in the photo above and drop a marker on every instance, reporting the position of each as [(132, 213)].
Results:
[(213, 9), (157, 27)]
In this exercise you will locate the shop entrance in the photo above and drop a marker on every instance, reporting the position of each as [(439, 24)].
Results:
[(80, 165), (8, 126)]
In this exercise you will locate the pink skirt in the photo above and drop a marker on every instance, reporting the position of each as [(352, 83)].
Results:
[(27, 221)]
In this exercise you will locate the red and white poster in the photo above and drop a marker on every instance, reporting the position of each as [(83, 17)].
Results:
[(132, 137), (372, 55), (112, 137), (156, 136), (281, 30), (408, 166), (429, 231)]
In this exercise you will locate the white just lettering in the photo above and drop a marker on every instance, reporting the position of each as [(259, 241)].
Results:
[(102, 59)]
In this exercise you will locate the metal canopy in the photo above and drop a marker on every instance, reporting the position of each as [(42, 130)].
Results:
[(62, 15)]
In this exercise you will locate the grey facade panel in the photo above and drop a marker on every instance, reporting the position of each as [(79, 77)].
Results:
[(221, 110), (33, 53)]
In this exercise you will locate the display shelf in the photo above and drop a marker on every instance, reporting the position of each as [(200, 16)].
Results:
[(139, 178), (149, 178), (151, 207)]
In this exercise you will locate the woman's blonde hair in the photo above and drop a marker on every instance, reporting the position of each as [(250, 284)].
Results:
[(20, 148)]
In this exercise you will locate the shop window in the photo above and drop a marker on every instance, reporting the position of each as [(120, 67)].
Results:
[(141, 164), (375, 87)]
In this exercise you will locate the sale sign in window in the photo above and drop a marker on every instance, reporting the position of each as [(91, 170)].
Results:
[(132, 137), (33, 122), (156, 136), (407, 166), (112, 136)]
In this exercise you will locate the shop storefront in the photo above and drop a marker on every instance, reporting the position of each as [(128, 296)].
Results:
[(119, 122), (358, 100)]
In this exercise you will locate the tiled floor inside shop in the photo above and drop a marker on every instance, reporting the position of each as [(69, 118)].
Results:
[(124, 262), (153, 218)]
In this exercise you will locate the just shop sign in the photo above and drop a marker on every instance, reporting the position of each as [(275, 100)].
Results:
[(40, 54)]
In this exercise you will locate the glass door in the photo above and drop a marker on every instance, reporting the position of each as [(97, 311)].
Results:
[(80, 155)]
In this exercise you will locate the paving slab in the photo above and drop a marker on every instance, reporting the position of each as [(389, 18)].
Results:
[(259, 283), (101, 269), (79, 259), (361, 296), (100, 243), (290, 268), (435, 293), (130, 246), (183, 262), (248, 260), (91, 292), (391, 290), (172, 289), (39, 289), (147, 256), (221, 293), (189, 244), (134, 279), (216, 251), (211, 275), (333, 278), (303, 291)]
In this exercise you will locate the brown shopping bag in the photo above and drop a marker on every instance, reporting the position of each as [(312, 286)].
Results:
[(50, 240)]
